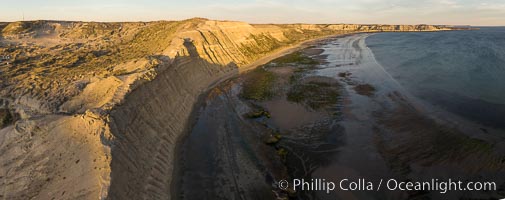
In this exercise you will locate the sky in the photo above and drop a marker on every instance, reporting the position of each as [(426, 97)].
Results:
[(449, 12)]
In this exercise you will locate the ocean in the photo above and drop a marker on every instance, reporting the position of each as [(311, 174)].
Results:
[(462, 72)]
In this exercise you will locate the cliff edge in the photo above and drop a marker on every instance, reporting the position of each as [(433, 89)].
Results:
[(93, 110)]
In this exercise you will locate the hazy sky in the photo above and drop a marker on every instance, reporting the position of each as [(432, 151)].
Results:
[(457, 12)]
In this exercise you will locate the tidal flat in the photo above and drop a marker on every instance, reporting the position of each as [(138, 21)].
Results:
[(329, 111)]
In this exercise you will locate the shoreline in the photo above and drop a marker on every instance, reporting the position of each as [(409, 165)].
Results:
[(403, 130), (273, 55), (245, 69), (143, 120), (231, 75), (386, 121), (441, 115)]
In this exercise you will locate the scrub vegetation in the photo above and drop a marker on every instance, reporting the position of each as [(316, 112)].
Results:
[(258, 85), (297, 57), (315, 95)]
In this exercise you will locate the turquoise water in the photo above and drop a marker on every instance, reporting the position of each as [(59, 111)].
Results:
[(462, 72)]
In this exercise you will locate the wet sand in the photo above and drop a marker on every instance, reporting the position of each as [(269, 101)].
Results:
[(377, 130)]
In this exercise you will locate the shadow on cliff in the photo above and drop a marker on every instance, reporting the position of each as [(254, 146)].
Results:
[(149, 122), (2, 27)]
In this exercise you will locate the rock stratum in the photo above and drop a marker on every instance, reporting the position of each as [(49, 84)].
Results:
[(94, 110)]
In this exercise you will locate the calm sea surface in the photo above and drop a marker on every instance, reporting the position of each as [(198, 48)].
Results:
[(462, 72)]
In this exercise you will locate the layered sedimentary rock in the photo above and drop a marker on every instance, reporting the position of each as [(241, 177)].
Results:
[(93, 110)]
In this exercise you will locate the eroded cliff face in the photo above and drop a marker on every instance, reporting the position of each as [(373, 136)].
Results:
[(94, 110), (149, 122)]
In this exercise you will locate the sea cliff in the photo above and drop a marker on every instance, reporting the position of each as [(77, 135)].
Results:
[(94, 110)]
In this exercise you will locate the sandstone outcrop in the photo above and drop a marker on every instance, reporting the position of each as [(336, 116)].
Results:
[(94, 110)]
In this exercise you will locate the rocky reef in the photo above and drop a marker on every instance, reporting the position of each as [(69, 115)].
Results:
[(94, 110)]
